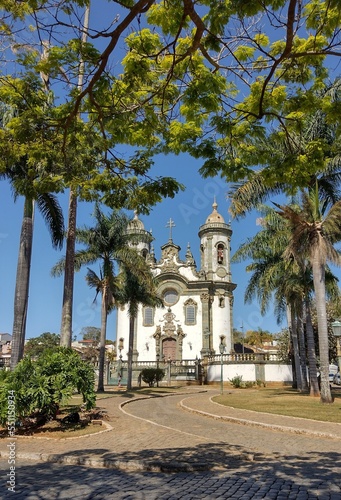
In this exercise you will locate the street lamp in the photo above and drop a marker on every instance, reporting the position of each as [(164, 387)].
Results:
[(336, 327), (242, 327), (157, 367), (222, 350)]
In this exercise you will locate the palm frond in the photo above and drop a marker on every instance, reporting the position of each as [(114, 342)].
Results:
[(52, 213)]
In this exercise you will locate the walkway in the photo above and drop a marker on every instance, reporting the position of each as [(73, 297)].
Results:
[(210, 451)]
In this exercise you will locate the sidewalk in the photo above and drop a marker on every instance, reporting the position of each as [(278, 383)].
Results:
[(138, 445), (264, 420)]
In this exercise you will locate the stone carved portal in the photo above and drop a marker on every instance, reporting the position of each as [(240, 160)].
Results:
[(168, 343)]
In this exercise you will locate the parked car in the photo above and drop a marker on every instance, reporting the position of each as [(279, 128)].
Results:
[(337, 379)]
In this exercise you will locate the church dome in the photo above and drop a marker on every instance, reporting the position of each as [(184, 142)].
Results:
[(215, 215), (136, 224)]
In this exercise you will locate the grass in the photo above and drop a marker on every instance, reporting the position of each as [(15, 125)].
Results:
[(283, 401)]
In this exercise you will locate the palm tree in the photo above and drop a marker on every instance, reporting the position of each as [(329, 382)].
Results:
[(107, 242), (51, 211), (272, 278), (314, 231), (287, 284), (139, 288), (67, 305)]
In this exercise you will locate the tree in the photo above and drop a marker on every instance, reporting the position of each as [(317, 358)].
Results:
[(258, 337), (24, 102), (285, 283), (177, 56), (139, 287), (91, 333), (34, 347), (108, 242), (314, 232)]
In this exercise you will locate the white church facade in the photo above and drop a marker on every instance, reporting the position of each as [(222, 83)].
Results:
[(197, 313)]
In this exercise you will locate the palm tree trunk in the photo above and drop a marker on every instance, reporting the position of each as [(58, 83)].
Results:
[(292, 355), (318, 268), (296, 354), (314, 387), (101, 359), (130, 352), (302, 347), (22, 284), (66, 327)]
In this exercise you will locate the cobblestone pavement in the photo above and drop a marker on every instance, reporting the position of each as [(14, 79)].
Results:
[(183, 446)]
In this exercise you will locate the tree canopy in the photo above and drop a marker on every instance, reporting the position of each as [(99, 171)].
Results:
[(209, 78)]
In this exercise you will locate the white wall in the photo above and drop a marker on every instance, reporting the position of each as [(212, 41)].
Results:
[(273, 372)]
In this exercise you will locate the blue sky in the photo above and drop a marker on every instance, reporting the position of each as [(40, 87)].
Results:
[(189, 209)]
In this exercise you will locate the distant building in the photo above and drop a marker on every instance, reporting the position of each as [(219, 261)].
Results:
[(198, 302), (5, 349)]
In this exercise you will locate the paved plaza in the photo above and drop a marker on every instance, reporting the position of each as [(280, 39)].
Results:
[(181, 446)]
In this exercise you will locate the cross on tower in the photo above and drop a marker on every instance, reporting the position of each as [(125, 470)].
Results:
[(170, 224)]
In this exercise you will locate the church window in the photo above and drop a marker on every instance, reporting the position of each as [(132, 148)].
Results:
[(144, 253), (148, 316), (170, 297), (190, 312), (221, 301), (220, 253)]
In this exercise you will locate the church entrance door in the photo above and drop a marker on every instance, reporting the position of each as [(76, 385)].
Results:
[(169, 349)]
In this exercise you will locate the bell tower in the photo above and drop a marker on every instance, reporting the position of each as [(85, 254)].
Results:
[(215, 238), (142, 237)]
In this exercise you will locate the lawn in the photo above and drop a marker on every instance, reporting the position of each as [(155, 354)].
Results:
[(283, 401)]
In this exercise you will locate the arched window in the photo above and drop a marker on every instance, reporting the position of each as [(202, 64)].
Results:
[(190, 312), (220, 253), (148, 316)]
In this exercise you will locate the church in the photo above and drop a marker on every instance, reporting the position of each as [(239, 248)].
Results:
[(197, 313)]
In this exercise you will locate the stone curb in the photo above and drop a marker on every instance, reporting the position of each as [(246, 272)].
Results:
[(105, 424), (252, 423), (131, 466)]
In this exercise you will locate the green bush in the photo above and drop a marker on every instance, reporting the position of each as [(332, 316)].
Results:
[(237, 381), (152, 375), (249, 384), (42, 385), (260, 383)]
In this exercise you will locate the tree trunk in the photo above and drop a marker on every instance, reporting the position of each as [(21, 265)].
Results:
[(322, 325), (314, 387), (302, 347), (67, 308), (130, 352), (101, 359), (296, 353), (22, 284), (66, 327)]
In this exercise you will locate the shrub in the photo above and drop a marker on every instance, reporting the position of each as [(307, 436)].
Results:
[(42, 385), (152, 375), (260, 383), (249, 384), (237, 381)]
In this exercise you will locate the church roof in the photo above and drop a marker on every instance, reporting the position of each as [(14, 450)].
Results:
[(215, 215), (136, 223)]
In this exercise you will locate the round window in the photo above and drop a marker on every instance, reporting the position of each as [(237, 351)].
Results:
[(170, 297)]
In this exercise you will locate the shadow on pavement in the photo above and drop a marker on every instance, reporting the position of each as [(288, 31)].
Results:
[(311, 476)]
